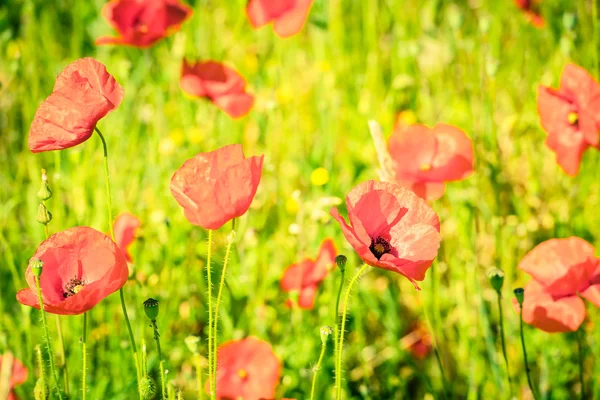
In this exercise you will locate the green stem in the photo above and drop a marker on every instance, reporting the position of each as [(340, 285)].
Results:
[(47, 337), (63, 357), (595, 36), (580, 346), (112, 235), (199, 377), (220, 292), (40, 362), (338, 368), (161, 364), (501, 322), (337, 315), (84, 354), (316, 369), (533, 391), (213, 394)]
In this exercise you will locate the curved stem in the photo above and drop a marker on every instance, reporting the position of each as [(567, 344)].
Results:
[(112, 235), (213, 393), (501, 322), (47, 337), (580, 345), (338, 368), (337, 315), (317, 368), (533, 391), (216, 318), (84, 353)]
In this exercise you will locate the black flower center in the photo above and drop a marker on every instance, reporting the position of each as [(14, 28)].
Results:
[(73, 287), (379, 247)]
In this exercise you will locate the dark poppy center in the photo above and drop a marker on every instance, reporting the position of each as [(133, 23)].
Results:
[(379, 247), (73, 287)]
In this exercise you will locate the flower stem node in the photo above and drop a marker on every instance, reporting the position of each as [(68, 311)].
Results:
[(147, 388), (496, 279), (520, 295), (43, 215), (44, 193), (151, 308), (36, 266), (340, 260), (326, 331)]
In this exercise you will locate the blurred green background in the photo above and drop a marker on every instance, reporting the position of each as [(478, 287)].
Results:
[(474, 64)]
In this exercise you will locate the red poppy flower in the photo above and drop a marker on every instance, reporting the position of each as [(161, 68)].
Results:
[(571, 116), (305, 276), (143, 23), (81, 267), (84, 92), (215, 187), (247, 369), (392, 228), (222, 85), (125, 228), (424, 158), (417, 341), (18, 374), (288, 16), (531, 9), (561, 269)]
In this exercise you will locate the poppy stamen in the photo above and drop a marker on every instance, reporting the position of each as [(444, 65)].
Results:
[(425, 167), (379, 247), (573, 118), (242, 373), (73, 287)]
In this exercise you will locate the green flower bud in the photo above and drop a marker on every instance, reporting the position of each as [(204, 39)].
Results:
[(43, 215), (520, 295), (340, 260), (496, 279), (36, 266), (40, 391), (45, 193), (326, 331), (151, 308), (147, 388)]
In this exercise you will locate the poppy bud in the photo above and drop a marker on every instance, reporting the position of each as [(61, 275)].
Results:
[(520, 295), (151, 308), (36, 267), (326, 331), (40, 391), (496, 279), (147, 388), (340, 260), (43, 215), (44, 193)]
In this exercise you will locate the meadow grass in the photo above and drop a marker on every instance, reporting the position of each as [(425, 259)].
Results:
[(475, 65)]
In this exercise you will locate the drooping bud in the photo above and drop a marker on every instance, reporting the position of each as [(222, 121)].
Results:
[(147, 388), (520, 295), (151, 308), (36, 266), (340, 260), (44, 193), (326, 331), (496, 279), (40, 391), (43, 215)]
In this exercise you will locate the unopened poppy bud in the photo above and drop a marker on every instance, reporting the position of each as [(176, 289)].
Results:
[(520, 295), (326, 331), (496, 279), (40, 391), (147, 388), (44, 193), (151, 308), (43, 215), (340, 260), (36, 267)]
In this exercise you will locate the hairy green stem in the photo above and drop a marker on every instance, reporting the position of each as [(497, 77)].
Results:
[(501, 323), (533, 391), (163, 392), (84, 358), (43, 381), (316, 370), (336, 332), (211, 380), (580, 345)]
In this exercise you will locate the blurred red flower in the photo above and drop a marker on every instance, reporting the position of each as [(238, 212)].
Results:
[(141, 23), (84, 92), (531, 9), (571, 116), (125, 228), (424, 158), (417, 341), (222, 85), (247, 369), (561, 269), (392, 228), (18, 374), (288, 16), (215, 187), (305, 276), (81, 267)]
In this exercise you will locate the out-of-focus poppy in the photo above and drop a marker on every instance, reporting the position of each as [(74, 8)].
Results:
[(288, 16), (220, 84), (417, 341), (18, 374), (531, 8), (304, 277), (141, 23), (561, 269), (247, 369), (215, 187), (571, 116), (84, 92), (392, 228), (81, 266), (125, 228), (424, 158)]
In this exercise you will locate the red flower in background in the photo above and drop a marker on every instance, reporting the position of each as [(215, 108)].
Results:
[(248, 369), (417, 341), (125, 228), (531, 9), (215, 187), (561, 269), (81, 267), (424, 158), (220, 84), (18, 373), (141, 23), (84, 92), (571, 116), (305, 276), (288, 16), (392, 228)]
